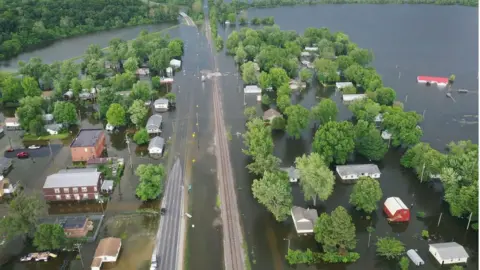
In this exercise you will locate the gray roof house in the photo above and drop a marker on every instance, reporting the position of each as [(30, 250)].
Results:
[(353, 172), (155, 147), (154, 124), (293, 173), (161, 104), (448, 253), (304, 219)]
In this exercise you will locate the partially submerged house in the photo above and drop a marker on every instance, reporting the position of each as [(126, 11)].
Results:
[(12, 123), (154, 124), (174, 63), (161, 104), (270, 114), (304, 219), (340, 85), (252, 89), (68, 95), (448, 253), (73, 184), (293, 174), (156, 145), (169, 71), (386, 135), (311, 49), (53, 129), (352, 97), (47, 118), (5, 165), (142, 72), (353, 172), (107, 251)]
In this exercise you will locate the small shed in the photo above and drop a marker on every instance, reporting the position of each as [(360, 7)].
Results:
[(416, 259), (252, 89), (353, 172), (161, 104), (293, 174), (341, 85), (352, 97), (68, 94), (386, 135), (174, 63), (270, 114), (156, 145), (169, 71), (311, 49), (53, 129), (396, 210), (448, 253)]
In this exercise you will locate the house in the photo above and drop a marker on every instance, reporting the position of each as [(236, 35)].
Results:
[(5, 165), (156, 145), (304, 219), (252, 89), (73, 184), (293, 174), (305, 54), (12, 123), (47, 118), (340, 85), (311, 49), (6, 187), (353, 172), (448, 253), (68, 94), (53, 129), (270, 114), (352, 97), (161, 104), (308, 64), (416, 259), (109, 127), (432, 80), (396, 210), (165, 80), (169, 71), (86, 96), (386, 135), (107, 186), (174, 63), (142, 72), (76, 227), (107, 251), (154, 124), (88, 144)]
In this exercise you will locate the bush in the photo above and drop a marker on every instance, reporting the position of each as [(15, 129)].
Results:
[(404, 263), (141, 137), (278, 123), (331, 257), (425, 234), (390, 247), (474, 226)]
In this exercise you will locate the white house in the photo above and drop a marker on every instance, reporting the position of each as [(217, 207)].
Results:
[(174, 63), (154, 124), (293, 174), (304, 219), (12, 123), (161, 104), (448, 253), (341, 85), (305, 54), (107, 251), (353, 172), (311, 49), (53, 129), (164, 80), (156, 145), (252, 89), (352, 97)]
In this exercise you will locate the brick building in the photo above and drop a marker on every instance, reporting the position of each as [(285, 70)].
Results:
[(88, 144), (73, 184)]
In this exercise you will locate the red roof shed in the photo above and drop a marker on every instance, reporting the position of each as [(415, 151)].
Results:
[(428, 79), (396, 210)]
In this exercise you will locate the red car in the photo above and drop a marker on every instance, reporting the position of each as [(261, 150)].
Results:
[(22, 155)]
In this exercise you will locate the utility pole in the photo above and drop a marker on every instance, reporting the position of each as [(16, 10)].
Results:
[(440, 219), (469, 220), (50, 148), (80, 253), (406, 99), (287, 239), (423, 114), (129, 152), (423, 170)]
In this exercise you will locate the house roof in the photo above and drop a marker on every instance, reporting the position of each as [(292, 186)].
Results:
[(450, 250), (160, 101), (47, 117), (341, 85), (11, 120), (108, 247), (87, 138), (73, 178), (252, 89), (107, 184), (394, 204), (156, 142), (270, 113), (74, 222), (54, 127), (154, 120), (292, 172), (304, 218), (344, 170)]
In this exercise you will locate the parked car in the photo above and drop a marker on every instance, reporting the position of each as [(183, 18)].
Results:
[(33, 147), (22, 155)]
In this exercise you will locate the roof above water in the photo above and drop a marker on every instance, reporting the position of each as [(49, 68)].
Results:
[(87, 138)]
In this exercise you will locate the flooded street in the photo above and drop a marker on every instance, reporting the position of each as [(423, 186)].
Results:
[(417, 40)]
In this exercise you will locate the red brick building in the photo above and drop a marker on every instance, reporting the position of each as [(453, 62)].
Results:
[(73, 185), (88, 144)]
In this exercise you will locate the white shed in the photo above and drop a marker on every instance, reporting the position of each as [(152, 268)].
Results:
[(386, 135), (448, 253), (416, 259), (53, 129), (353, 97), (174, 63)]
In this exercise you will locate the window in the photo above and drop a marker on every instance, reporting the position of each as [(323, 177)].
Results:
[(57, 190), (68, 197), (59, 197), (84, 189), (77, 197), (94, 188), (75, 190), (66, 190), (85, 196)]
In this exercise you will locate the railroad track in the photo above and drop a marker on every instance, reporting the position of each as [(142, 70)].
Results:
[(232, 233)]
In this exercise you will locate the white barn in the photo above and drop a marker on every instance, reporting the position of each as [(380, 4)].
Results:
[(353, 172), (448, 253)]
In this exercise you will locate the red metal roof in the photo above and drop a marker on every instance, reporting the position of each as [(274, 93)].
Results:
[(433, 79)]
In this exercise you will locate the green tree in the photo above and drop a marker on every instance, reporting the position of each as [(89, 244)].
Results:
[(250, 113), (334, 141), (368, 141), (424, 160), (451, 79), (96, 69), (325, 111), (87, 83), (366, 194), (305, 75), (336, 232), (390, 247), (266, 100), (349, 90), (30, 87), (175, 47), (116, 115), (65, 112), (362, 56), (249, 74), (219, 43), (171, 97), (404, 263), (283, 102), (316, 178), (123, 82), (403, 126), (262, 164), (76, 86), (278, 123), (152, 178), (141, 137), (22, 217), (231, 17), (298, 118), (240, 55), (49, 237), (278, 77), (344, 61), (138, 113), (159, 60), (12, 90), (258, 139), (365, 109), (131, 65), (141, 91), (274, 192), (233, 41), (385, 96), (264, 80), (326, 70), (105, 98), (30, 109), (33, 68)]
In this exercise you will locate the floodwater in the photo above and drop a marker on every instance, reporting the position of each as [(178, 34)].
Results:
[(420, 40)]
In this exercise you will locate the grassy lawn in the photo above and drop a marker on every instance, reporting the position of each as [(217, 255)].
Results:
[(46, 137)]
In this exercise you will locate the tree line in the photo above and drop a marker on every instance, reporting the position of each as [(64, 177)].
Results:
[(25, 24)]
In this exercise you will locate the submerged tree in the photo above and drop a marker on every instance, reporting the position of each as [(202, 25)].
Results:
[(336, 232), (366, 194), (317, 180), (390, 247)]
